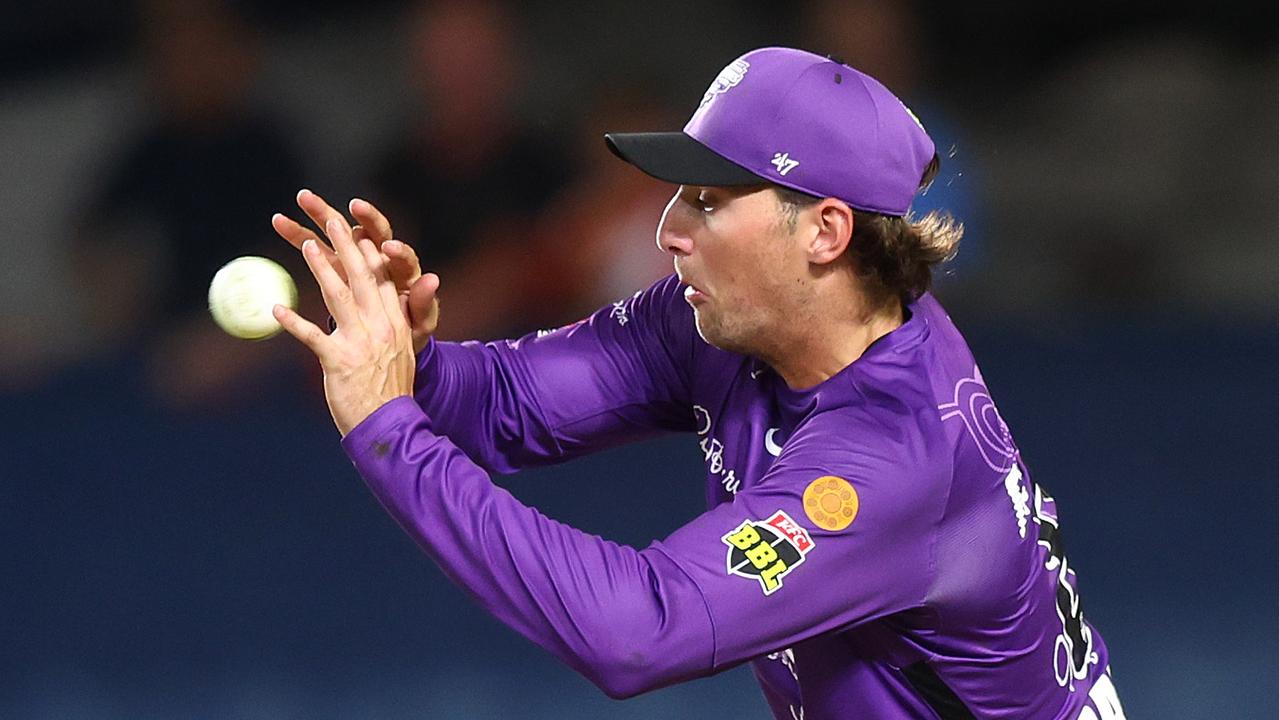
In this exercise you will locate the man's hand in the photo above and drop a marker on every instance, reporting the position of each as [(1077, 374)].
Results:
[(369, 359), (417, 292)]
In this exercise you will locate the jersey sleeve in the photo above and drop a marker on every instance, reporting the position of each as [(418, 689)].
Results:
[(839, 531), (781, 563), (617, 376)]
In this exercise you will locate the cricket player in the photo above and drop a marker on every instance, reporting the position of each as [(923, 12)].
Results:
[(873, 542)]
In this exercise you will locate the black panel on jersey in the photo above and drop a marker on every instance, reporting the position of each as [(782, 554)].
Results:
[(936, 693)]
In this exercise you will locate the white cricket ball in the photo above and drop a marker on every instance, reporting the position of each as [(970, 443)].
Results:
[(244, 291)]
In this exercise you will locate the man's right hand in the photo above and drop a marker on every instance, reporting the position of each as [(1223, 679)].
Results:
[(417, 291)]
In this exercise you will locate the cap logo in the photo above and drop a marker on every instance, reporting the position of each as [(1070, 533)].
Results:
[(783, 163), (725, 81)]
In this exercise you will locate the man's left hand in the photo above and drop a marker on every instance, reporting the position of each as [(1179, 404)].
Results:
[(368, 360)]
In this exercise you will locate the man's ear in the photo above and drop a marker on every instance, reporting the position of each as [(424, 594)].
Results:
[(834, 231)]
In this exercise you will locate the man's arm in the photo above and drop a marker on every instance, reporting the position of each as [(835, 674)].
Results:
[(749, 577), (743, 579), (618, 376)]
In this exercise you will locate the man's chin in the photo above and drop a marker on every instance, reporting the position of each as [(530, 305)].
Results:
[(705, 328), (714, 335)]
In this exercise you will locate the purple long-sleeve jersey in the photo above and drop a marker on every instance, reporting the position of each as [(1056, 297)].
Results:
[(874, 545)]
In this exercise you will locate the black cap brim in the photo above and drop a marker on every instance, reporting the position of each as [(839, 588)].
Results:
[(677, 158)]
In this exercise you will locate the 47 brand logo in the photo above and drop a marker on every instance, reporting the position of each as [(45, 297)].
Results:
[(768, 550), (783, 163)]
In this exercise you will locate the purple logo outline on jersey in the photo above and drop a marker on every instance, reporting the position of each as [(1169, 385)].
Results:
[(974, 406)]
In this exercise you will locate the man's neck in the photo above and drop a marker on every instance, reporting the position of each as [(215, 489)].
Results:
[(822, 344)]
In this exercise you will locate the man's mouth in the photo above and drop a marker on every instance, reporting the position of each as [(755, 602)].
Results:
[(694, 296)]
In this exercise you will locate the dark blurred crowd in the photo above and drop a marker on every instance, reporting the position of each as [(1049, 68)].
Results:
[(527, 226)]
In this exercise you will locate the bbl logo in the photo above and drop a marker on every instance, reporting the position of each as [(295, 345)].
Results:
[(767, 550)]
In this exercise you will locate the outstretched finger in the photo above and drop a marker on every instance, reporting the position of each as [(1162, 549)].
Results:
[(296, 234), (374, 222), (291, 230), (422, 307), (424, 304), (338, 297), (390, 298), (359, 274), (404, 266), (304, 330), (319, 210)]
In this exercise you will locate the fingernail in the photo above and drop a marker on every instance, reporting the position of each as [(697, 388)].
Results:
[(303, 191), (308, 245)]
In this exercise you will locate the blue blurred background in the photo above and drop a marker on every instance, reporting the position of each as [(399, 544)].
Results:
[(183, 536)]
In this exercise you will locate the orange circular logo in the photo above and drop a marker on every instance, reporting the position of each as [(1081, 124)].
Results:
[(830, 502)]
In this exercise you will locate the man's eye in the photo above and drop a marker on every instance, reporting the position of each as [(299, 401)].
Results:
[(705, 203)]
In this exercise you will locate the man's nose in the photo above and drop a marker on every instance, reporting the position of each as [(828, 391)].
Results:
[(673, 231)]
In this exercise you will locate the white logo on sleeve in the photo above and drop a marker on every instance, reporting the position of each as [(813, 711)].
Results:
[(783, 163), (770, 444), (713, 452), (621, 310)]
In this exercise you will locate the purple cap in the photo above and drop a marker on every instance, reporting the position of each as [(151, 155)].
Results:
[(796, 119)]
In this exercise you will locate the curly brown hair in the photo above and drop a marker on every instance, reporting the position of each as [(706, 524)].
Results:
[(893, 255)]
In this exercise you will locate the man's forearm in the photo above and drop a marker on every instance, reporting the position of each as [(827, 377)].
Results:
[(628, 620), (552, 396), (473, 400)]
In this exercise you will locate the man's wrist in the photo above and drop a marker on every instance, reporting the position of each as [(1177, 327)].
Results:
[(390, 415), (363, 414)]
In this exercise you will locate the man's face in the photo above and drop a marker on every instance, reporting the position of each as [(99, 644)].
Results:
[(744, 266)]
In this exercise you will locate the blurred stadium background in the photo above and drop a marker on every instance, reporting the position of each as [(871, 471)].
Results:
[(183, 536)]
